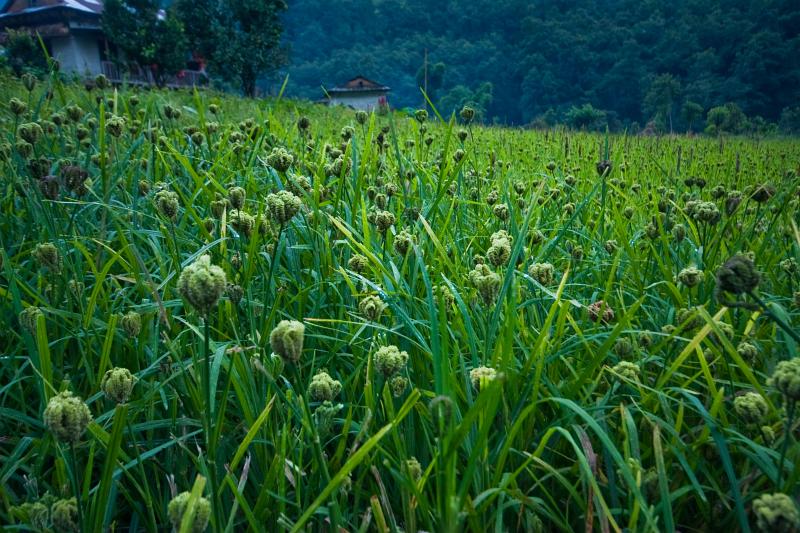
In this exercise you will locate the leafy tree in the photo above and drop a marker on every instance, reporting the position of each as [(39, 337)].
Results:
[(728, 118), (146, 35), (661, 97), (586, 117), (790, 120), (691, 112), (24, 52), (435, 78), (240, 38), (459, 96)]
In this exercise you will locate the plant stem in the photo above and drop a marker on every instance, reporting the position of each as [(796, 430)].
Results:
[(211, 445), (787, 433), (76, 486)]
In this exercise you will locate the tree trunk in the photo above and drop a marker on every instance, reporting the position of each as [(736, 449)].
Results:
[(248, 78)]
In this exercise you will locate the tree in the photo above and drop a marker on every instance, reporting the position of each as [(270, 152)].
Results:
[(435, 79), (460, 95), (790, 120), (663, 93), (147, 35), (24, 52), (691, 111), (728, 118), (586, 117), (240, 38)]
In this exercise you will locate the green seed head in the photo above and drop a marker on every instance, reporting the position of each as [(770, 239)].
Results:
[(627, 370), (115, 126), (17, 106), (481, 376), (486, 281), (413, 468), (303, 123), (403, 242), (286, 340), (747, 351), (398, 385), (467, 114), (64, 514), (751, 407), (167, 203), (679, 232), (280, 159), (611, 246), (499, 252), (389, 360), (35, 514), (776, 513), (542, 272), (30, 132), (323, 387), (178, 507), (117, 384), (789, 266), (358, 263), (738, 275), (131, 323), (623, 347), (501, 211), (283, 206), (323, 416), (46, 254), (236, 195), (690, 276), (371, 307), (67, 417), (28, 318), (786, 378), (234, 292), (242, 222), (384, 220), (202, 284)]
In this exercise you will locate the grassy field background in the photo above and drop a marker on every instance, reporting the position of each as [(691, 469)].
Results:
[(518, 329)]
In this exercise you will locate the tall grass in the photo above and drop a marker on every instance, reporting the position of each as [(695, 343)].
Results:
[(563, 438)]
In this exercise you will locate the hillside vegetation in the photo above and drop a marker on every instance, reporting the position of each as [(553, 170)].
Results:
[(521, 61)]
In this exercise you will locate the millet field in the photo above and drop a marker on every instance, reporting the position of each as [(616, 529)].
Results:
[(266, 315)]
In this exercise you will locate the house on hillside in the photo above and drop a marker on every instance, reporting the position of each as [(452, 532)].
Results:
[(72, 32), (359, 93)]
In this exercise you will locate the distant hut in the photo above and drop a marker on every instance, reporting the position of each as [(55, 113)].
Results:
[(359, 93), (71, 30)]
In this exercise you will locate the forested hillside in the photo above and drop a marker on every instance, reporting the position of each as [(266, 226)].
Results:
[(522, 61)]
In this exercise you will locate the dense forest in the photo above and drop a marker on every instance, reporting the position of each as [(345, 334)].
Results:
[(625, 63)]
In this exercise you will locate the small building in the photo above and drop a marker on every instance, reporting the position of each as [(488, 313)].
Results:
[(72, 32), (359, 93), (70, 29)]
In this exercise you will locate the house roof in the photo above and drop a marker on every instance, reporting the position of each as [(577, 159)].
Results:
[(14, 8), (360, 84)]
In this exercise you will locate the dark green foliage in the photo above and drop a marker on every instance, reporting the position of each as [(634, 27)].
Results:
[(640, 61), (153, 41), (24, 53), (240, 38)]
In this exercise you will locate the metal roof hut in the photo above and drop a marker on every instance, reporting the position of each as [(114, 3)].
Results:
[(71, 30), (360, 93)]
